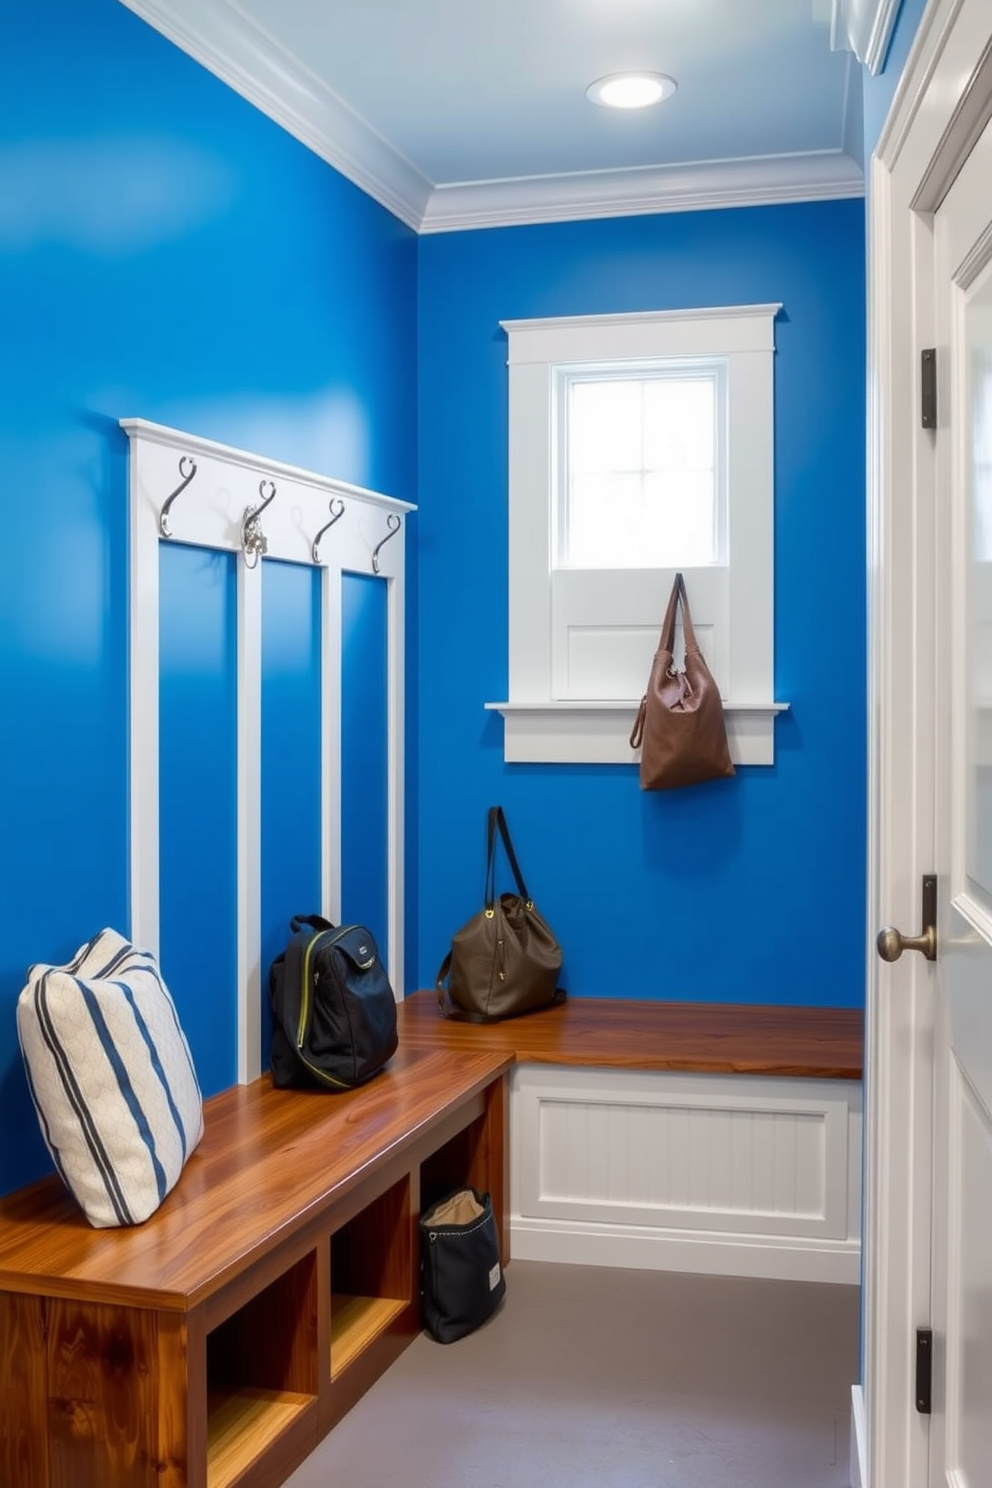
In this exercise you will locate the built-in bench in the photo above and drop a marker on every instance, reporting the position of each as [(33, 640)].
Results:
[(681, 1136), (216, 1344)]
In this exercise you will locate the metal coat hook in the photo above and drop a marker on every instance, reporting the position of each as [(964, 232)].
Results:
[(163, 520), (253, 540), (336, 516), (394, 523)]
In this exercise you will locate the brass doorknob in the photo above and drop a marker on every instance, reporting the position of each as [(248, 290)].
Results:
[(891, 942)]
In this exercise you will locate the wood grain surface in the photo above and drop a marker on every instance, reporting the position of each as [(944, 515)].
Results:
[(706, 1038), (271, 1163)]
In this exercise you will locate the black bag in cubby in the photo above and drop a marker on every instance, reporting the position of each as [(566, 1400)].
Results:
[(333, 1007), (461, 1278)]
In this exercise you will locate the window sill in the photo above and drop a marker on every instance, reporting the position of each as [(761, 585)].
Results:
[(598, 733)]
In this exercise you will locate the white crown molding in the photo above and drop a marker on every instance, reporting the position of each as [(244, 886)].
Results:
[(864, 27), (243, 55), (759, 181)]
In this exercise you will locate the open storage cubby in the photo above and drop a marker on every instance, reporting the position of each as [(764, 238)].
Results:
[(372, 1274), (261, 1371), (459, 1163)]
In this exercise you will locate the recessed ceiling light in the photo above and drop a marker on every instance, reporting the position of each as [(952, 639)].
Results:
[(631, 90)]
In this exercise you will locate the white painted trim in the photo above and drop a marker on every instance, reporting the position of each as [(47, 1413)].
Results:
[(210, 513), (898, 1014), (235, 48), (230, 456), (863, 27), (395, 734), (330, 743), (732, 601), (595, 337), (727, 1199), (827, 175), (859, 1439), (143, 706), (564, 1119), (594, 733), (769, 1257), (249, 818)]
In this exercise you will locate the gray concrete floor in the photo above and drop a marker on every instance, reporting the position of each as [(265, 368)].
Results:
[(619, 1379)]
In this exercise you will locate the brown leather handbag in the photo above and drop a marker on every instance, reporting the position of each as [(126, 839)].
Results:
[(505, 960), (680, 726)]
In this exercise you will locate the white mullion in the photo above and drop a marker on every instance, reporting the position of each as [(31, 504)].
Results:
[(249, 817), (143, 710), (330, 742)]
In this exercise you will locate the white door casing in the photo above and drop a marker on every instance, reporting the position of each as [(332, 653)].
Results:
[(961, 1427), (934, 122)]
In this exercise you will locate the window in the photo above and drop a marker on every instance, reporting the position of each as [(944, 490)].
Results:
[(642, 458), (639, 445)]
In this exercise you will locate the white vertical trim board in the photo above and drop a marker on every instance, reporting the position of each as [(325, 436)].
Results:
[(727, 1174), (859, 1439), (210, 512)]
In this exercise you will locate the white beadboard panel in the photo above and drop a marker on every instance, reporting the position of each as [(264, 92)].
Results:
[(687, 1170), (683, 1159)]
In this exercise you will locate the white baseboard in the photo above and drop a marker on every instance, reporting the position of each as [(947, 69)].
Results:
[(859, 1439), (766, 1257)]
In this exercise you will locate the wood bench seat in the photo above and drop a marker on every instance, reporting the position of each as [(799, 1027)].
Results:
[(216, 1343), (701, 1038)]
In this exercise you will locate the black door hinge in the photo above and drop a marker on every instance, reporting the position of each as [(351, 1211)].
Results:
[(924, 1369), (928, 387)]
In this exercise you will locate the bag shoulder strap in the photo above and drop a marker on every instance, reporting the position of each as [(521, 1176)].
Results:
[(691, 644), (292, 998), (497, 822), (677, 597), (316, 922)]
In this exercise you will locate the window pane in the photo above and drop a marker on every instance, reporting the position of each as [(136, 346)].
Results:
[(640, 489)]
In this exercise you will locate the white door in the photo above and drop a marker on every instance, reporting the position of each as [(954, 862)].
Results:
[(961, 1297), (928, 1197)]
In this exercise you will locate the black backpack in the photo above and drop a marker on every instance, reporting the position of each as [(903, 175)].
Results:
[(333, 1008)]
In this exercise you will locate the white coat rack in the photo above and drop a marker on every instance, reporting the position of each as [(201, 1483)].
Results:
[(209, 495)]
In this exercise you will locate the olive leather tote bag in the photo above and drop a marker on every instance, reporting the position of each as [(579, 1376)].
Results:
[(505, 960), (680, 727)]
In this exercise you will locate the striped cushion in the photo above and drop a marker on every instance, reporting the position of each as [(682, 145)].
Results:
[(112, 1078)]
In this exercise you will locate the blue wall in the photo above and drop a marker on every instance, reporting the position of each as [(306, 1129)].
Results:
[(167, 252), (723, 891)]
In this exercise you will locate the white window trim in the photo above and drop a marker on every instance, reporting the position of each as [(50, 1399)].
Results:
[(540, 727)]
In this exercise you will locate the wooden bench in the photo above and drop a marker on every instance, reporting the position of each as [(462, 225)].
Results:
[(215, 1345), (694, 1037)]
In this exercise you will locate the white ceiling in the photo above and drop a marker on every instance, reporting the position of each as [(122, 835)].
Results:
[(462, 113)]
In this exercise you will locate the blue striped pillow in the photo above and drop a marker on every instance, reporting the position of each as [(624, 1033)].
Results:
[(112, 1078)]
